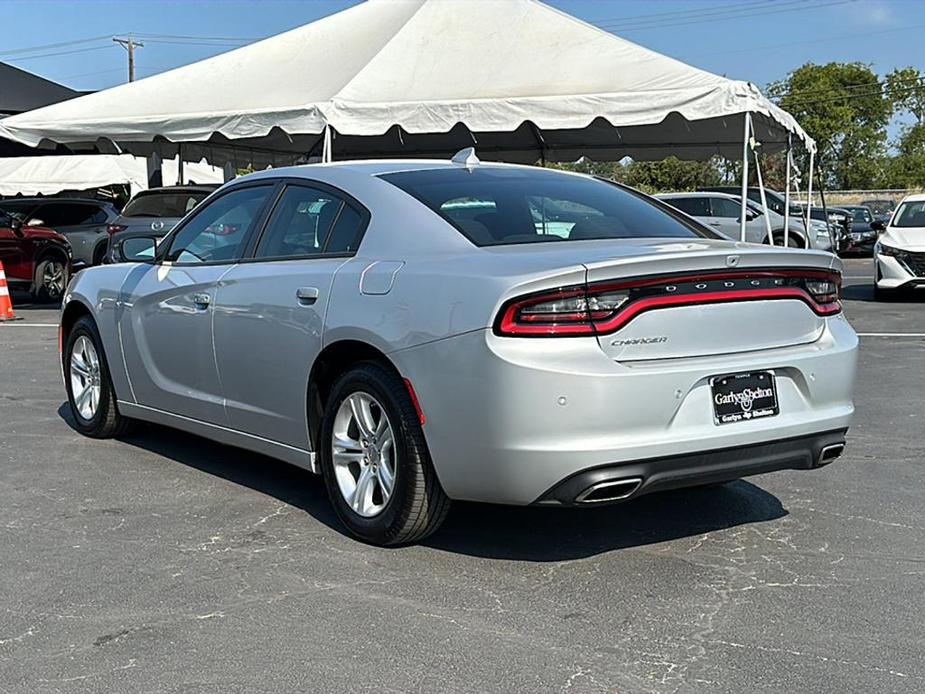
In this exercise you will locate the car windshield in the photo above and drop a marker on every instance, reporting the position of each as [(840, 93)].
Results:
[(164, 203), (910, 214), (861, 214), (499, 205), (880, 206)]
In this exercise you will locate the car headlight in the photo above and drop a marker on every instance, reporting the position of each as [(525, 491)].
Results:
[(882, 249)]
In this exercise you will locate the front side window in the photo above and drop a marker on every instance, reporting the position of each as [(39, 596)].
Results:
[(302, 223), (21, 210), (217, 232), (724, 207), (694, 206), (500, 205), (910, 214)]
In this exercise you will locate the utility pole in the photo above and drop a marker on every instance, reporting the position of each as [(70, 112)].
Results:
[(130, 45)]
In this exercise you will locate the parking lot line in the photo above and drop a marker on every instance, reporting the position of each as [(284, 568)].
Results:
[(891, 334), (31, 325)]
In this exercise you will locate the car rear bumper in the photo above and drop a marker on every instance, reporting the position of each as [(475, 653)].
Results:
[(624, 481), (509, 419)]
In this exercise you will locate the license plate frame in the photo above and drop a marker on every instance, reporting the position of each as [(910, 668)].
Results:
[(743, 397)]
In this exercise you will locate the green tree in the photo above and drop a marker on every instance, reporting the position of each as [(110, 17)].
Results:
[(844, 107), (905, 87)]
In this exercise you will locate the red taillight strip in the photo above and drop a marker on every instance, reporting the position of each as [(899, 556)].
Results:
[(571, 324), (414, 401), (647, 304)]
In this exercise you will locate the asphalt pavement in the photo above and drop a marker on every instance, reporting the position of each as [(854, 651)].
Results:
[(167, 563)]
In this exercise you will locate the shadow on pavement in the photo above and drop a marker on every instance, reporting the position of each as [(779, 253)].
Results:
[(865, 292), (483, 530)]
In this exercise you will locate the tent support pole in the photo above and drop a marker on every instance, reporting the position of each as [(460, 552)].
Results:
[(747, 118), (327, 155), (764, 200), (155, 175), (787, 191), (180, 164), (809, 191)]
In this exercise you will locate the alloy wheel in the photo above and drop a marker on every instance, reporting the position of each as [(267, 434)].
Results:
[(53, 278), (85, 377), (364, 455)]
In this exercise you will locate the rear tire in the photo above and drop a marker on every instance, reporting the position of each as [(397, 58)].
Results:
[(406, 502), (86, 371), (51, 277)]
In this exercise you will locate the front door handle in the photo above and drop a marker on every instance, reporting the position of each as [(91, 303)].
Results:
[(307, 295), (202, 300)]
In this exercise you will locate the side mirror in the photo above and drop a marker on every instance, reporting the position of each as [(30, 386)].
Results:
[(878, 226), (138, 249), (750, 214), (16, 225)]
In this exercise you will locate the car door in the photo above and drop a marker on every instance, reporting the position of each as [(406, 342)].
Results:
[(270, 309), (726, 214), (17, 261), (83, 223), (165, 311)]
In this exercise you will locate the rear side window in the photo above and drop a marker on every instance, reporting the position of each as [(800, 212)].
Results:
[(696, 207), (499, 205), (164, 204), (62, 214), (309, 221)]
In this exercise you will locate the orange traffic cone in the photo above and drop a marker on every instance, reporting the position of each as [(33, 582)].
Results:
[(6, 306)]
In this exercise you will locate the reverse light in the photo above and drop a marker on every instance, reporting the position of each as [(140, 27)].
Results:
[(603, 308)]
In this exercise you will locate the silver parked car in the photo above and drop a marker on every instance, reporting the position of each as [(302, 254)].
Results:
[(722, 211), (83, 221), (420, 331)]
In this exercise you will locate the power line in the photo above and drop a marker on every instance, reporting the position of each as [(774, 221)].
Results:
[(780, 8), (62, 44), (662, 19), (643, 17), (50, 55), (873, 87)]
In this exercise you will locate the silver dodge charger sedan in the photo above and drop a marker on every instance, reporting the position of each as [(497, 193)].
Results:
[(421, 331)]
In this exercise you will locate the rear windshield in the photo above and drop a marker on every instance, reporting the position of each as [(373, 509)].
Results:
[(164, 204), (493, 206), (910, 214)]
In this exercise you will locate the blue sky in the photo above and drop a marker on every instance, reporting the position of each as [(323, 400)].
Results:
[(756, 40)]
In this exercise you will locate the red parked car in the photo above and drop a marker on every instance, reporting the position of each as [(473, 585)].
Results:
[(34, 258)]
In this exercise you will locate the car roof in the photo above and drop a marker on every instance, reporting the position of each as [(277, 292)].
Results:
[(186, 188), (38, 200), (379, 167), (917, 197), (699, 194)]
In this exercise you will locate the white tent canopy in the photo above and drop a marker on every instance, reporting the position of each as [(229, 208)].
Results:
[(54, 174), (516, 78)]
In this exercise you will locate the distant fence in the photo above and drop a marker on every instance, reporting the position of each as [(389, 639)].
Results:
[(847, 197)]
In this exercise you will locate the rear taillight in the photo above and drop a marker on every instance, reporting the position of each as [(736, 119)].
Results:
[(603, 308), (115, 228)]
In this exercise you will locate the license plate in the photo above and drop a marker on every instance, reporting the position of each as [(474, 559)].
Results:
[(743, 397)]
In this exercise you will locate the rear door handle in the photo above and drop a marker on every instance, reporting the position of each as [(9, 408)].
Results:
[(307, 295), (202, 300)]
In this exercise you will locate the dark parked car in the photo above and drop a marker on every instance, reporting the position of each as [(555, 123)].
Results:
[(882, 208), (865, 229), (82, 221), (776, 201), (154, 212), (34, 258)]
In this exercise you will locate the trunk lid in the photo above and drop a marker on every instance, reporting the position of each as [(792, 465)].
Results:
[(711, 268)]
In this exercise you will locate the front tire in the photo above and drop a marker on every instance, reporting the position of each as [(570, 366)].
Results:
[(51, 276), (89, 388), (376, 466)]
